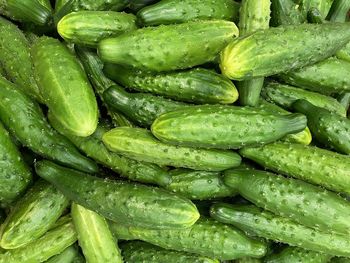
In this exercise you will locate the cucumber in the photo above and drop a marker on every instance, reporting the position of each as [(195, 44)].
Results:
[(32, 216), (140, 108), (94, 237), (169, 47), (24, 119), (52, 243), (249, 260), (340, 260), (136, 5), (138, 251), (226, 127), (344, 53), (172, 11), (197, 85), (286, 12), (139, 144), (280, 229), (339, 11), (344, 99), (90, 27), (293, 199), (281, 49), (323, 6), (66, 89), (314, 16), (19, 68), (308, 163), (285, 96), (198, 185), (327, 127), (121, 201), (206, 237), (69, 255)]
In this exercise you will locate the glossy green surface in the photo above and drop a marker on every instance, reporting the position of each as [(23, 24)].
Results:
[(69, 255), (297, 255)]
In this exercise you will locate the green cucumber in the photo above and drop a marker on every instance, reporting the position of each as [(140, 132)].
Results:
[(280, 229), (94, 236), (285, 96), (293, 199), (344, 53), (172, 11), (314, 16), (206, 237), (65, 87), (281, 49), (69, 255), (121, 201), (286, 12), (24, 119), (169, 47), (323, 6), (344, 99), (136, 5), (90, 27), (339, 11), (308, 163), (226, 127), (139, 144), (340, 260), (194, 85), (138, 251), (249, 260)]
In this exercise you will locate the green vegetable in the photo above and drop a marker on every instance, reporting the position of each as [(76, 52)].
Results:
[(339, 11), (323, 6), (344, 53), (344, 99), (314, 16), (136, 5), (169, 47), (139, 144), (340, 260), (121, 201), (248, 260), (69, 255), (286, 12)]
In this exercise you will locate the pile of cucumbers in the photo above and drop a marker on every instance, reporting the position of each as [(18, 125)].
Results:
[(174, 131)]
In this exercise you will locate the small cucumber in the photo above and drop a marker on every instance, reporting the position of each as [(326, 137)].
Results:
[(90, 27), (286, 12), (297, 255), (197, 85), (308, 163), (226, 127), (323, 6), (94, 236), (139, 144), (170, 47), (344, 99), (344, 53), (339, 11), (69, 255), (121, 201)]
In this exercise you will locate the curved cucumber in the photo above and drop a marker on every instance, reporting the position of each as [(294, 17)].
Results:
[(69, 255), (339, 11), (139, 144), (169, 47), (226, 127), (297, 255), (121, 201), (286, 12), (65, 87)]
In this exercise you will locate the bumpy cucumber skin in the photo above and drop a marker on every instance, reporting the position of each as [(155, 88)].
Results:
[(69, 255), (286, 12), (297, 255), (172, 11), (281, 49), (68, 93), (121, 201), (301, 202), (280, 229), (339, 11), (138, 251), (326, 77), (24, 119), (90, 27), (207, 238), (194, 85), (225, 127), (285, 96), (52, 243), (141, 145), (344, 53), (140, 108), (18, 68), (169, 47), (308, 163), (94, 236)]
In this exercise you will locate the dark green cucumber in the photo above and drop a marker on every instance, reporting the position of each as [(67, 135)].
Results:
[(136, 5), (323, 6), (293, 199), (249, 260), (206, 237), (281, 49), (198, 185), (94, 236), (65, 87), (285, 96), (140, 108), (308, 163), (314, 16), (280, 229), (121, 201), (344, 99), (169, 47), (33, 215), (194, 85), (69, 255), (52, 243), (138, 251), (90, 27), (328, 128), (226, 127), (139, 144), (24, 119), (339, 11), (286, 12), (340, 260), (172, 11)]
